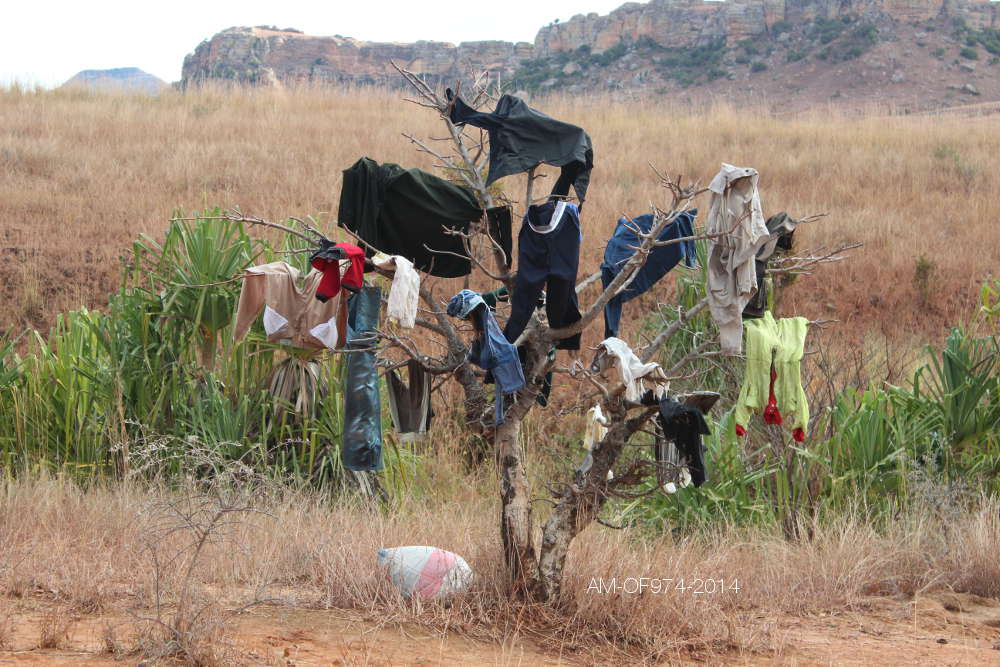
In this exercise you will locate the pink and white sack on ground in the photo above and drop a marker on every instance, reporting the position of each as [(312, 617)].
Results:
[(426, 572)]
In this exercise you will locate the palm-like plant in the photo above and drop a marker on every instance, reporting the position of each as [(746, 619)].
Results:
[(198, 251)]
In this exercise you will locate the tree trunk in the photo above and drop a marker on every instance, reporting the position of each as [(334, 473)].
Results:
[(475, 446), (516, 526), (581, 504), (576, 509)]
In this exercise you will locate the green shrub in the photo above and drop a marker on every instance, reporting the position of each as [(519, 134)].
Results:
[(969, 53), (780, 27), (758, 66)]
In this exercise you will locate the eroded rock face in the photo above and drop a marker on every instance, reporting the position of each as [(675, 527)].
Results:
[(273, 57), (267, 56), (688, 23)]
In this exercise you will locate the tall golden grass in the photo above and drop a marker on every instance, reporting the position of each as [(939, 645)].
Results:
[(82, 174)]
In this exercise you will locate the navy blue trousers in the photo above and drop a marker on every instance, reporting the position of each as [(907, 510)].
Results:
[(550, 262)]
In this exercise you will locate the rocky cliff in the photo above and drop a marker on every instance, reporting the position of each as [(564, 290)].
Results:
[(921, 53), (687, 23), (127, 79), (268, 56)]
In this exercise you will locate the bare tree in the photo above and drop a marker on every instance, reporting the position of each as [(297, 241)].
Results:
[(535, 571)]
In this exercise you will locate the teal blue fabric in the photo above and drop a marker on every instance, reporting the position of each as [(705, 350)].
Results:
[(361, 446)]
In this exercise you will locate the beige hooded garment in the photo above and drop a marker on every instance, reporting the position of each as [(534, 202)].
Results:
[(292, 315), (734, 211)]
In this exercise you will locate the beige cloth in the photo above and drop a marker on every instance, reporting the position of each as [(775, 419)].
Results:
[(735, 211), (596, 427), (292, 315), (631, 368), (404, 295)]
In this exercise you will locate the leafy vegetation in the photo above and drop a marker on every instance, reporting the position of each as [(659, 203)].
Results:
[(687, 66), (988, 38), (866, 446), (157, 363), (845, 39)]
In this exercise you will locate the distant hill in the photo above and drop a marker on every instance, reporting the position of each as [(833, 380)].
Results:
[(914, 55), (127, 79)]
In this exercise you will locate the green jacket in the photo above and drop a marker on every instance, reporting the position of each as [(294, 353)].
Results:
[(778, 344)]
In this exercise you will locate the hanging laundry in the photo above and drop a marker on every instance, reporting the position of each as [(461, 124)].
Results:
[(631, 368), (291, 313), (500, 295), (327, 260), (781, 228), (548, 256), (678, 440), (499, 223), (735, 212), (685, 426), (597, 427), (405, 212), (522, 138), (361, 445), (490, 350), (773, 383), (410, 402), (404, 295), (621, 247)]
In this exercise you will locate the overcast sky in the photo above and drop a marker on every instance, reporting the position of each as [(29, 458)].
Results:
[(46, 42)]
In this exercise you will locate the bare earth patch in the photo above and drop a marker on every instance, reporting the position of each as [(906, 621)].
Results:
[(940, 628)]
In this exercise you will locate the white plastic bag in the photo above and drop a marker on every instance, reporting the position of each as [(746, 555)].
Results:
[(426, 572)]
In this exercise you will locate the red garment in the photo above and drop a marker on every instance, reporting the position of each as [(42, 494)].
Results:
[(771, 414), (353, 278)]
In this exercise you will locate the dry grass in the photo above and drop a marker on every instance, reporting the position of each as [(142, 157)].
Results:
[(83, 174), (309, 553), (53, 630), (7, 628)]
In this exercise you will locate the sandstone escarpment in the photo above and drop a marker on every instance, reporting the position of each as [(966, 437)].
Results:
[(912, 54), (269, 56), (687, 23)]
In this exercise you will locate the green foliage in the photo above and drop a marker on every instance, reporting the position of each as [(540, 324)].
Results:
[(969, 53), (965, 171), (610, 55), (960, 388), (988, 38), (780, 27), (687, 66), (690, 66), (758, 66), (197, 252), (845, 38), (989, 297), (877, 440), (923, 275), (531, 74), (99, 384)]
